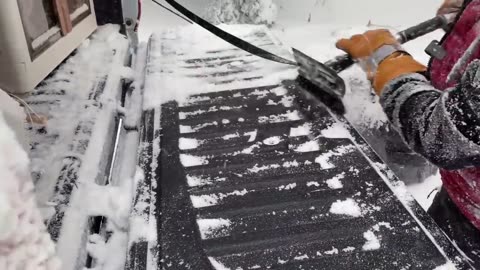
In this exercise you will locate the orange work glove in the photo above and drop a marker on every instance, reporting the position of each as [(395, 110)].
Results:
[(369, 50), (450, 6)]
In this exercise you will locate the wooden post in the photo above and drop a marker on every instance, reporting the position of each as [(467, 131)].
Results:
[(63, 13)]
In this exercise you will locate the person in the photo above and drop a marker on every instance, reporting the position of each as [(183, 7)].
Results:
[(436, 110)]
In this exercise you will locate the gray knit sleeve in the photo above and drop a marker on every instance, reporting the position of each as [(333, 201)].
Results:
[(444, 127)]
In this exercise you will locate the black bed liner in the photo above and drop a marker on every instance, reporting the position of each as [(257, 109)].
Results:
[(250, 204)]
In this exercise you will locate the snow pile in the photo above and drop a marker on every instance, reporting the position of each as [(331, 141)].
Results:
[(447, 266), (424, 192), (332, 251), (372, 242), (336, 131), (242, 12), (191, 161), (198, 181), (272, 140), (349, 207), (335, 183), (24, 241), (303, 130), (287, 187), (188, 143), (310, 146), (99, 59)]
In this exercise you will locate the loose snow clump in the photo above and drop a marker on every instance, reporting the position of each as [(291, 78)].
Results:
[(24, 241), (348, 207), (242, 12)]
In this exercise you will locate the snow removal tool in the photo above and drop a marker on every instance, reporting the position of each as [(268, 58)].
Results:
[(319, 78), (325, 75)]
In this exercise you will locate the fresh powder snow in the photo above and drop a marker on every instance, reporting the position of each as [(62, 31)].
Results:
[(210, 228), (335, 183), (324, 159), (348, 207), (372, 242), (303, 130), (191, 161), (188, 143), (310, 146)]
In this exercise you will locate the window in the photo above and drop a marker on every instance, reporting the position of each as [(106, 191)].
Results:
[(38, 19)]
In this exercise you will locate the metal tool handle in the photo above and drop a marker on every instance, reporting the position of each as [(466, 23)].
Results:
[(343, 62)]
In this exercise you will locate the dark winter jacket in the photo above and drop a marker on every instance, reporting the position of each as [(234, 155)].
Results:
[(442, 123)]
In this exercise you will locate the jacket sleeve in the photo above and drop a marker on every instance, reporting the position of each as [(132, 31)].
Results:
[(444, 127)]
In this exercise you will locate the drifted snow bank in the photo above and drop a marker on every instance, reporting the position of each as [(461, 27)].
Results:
[(24, 241), (242, 12)]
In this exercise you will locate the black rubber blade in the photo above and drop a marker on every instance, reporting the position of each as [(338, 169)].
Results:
[(320, 75)]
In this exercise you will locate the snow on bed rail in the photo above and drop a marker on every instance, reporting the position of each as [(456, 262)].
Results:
[(99, 61)]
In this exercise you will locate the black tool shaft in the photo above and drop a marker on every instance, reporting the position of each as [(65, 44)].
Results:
[(343, 62)]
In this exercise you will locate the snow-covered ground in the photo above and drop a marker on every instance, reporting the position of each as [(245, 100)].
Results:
[(313, 26)]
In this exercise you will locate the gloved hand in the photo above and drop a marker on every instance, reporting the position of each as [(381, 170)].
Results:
[(450, 6), (381, 57)]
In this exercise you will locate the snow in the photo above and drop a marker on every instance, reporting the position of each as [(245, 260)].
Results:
[(257, 168), (313, 183), (168, 72), (335, 183), (303, 130), (189, 144), (336, 131), (193, 129), (210, 228), (287, 187), (21, 226), (272, 140), (95, 60), (241, 12), (197, 181), (288, 116), (252, 134), (217, 265), (301, 258), (191, 161), (425, 192), (231, 136), (310, 146), (348, 249), (348, 207), (332, 251), (447, 266), (324, 159), (372, 242)]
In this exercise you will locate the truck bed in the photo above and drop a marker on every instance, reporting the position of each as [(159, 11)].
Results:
[(238, 165)]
